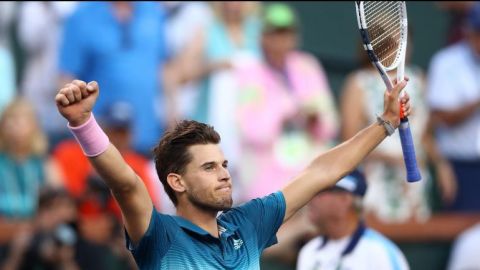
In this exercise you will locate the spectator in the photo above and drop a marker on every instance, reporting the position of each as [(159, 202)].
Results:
[(39, 28), (285, 95), (22, 167), (23, 170), (235, 29), (454, 99), (344, 241), (126, 57), (59, 238), (49, 243), (390, 197)]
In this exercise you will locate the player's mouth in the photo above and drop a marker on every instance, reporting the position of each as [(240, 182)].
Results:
[(225, 188)]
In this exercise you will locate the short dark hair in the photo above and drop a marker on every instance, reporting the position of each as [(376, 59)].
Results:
[(171, 154)]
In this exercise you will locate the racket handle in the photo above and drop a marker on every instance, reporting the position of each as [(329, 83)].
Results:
[(408, 148)]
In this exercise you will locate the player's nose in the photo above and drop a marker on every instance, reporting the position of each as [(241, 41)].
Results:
[(224, 174)]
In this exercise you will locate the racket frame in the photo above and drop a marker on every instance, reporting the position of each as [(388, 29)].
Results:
[(413, 173)]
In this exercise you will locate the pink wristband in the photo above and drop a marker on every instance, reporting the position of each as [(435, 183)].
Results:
[(91, 137)]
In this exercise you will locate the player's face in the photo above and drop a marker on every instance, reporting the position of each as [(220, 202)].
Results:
[(328, 205), (207, 180)]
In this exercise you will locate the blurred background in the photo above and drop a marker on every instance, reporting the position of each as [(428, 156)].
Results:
[(281, 82)]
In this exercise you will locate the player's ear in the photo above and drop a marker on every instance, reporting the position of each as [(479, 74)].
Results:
[(175, 182)]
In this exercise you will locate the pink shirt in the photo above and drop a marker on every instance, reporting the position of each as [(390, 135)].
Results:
[(266, 103)]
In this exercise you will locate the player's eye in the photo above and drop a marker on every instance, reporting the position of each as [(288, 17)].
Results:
[(209, 167)]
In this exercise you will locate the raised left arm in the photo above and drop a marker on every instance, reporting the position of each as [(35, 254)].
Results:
[(328, 168)]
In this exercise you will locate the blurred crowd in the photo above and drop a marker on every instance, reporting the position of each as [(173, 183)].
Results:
[(238, 66)]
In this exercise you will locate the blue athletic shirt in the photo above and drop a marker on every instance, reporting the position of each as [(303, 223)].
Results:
[(172, 242)]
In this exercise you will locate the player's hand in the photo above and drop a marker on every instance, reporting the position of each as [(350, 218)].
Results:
[(75, 101), (391, 103)]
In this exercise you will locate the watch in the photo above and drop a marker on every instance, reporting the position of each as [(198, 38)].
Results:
[(389, 129)]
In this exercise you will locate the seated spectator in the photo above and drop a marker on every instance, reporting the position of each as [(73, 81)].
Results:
[(344, 241)]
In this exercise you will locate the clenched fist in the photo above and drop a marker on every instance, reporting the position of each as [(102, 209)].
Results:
[(75, 101)]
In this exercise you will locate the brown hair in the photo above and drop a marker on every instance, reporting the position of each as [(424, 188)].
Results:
[(171, 154)]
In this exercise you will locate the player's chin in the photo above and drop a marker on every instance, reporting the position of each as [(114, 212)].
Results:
[(225, 202)]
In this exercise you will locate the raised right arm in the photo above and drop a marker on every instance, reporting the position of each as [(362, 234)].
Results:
[(75, 102)]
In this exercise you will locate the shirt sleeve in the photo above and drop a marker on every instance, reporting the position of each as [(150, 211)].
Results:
[(266, 214), (155, 242)]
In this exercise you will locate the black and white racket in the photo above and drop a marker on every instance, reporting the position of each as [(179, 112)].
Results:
[(383, 27)]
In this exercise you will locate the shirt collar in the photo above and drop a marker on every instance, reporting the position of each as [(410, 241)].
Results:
[(228, 228), (188, 225)]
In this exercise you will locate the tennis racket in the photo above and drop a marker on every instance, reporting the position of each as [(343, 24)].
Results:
[(383, 27)]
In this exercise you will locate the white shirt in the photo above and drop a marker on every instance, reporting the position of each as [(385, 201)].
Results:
[(373, 251), (466, 250), (454, 81)]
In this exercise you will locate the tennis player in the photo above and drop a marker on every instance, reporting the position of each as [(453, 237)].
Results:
[(194, 172)]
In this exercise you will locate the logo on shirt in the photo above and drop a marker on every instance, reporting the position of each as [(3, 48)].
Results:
[(237, 243), (221, 230)]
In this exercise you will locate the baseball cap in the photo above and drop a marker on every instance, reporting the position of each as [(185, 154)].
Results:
[(279, 16), (117, 115), (473, 17), (354, 183)]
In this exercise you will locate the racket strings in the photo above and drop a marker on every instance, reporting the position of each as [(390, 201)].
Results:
[(383, 19), (374, 7)]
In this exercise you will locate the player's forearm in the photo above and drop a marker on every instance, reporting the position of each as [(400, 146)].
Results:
[(340, 160), (103, 155), (113, 169), (328, 168)]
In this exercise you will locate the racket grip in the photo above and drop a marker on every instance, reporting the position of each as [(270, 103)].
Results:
[(408, 148)]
